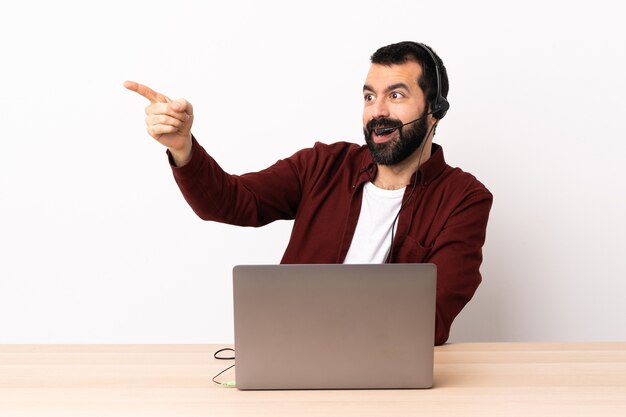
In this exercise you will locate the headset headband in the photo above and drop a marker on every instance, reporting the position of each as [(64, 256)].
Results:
[(440, 105)]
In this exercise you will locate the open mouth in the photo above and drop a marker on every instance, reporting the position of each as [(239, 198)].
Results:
[(383, 129), (384, 136)]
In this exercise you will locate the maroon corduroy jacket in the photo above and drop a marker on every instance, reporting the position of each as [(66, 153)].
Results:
[(320, 188)]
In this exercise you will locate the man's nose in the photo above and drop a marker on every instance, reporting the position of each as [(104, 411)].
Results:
[(379, 109)]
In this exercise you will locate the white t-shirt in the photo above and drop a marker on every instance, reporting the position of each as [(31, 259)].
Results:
[(372, 238)]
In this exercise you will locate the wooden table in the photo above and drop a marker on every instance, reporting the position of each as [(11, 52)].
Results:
[(471, 379)]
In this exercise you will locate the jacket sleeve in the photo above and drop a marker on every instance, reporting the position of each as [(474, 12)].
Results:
[(457, 252), (253, 199)]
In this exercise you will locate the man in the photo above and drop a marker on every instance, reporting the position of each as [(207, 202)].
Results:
[(394, 200)]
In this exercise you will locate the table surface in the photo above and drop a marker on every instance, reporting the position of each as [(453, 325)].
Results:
[(471, 379)]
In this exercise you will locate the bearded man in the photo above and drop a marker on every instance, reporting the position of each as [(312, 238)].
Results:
[(393, 200)]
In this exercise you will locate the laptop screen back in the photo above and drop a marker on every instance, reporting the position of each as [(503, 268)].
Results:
[(334, 326)]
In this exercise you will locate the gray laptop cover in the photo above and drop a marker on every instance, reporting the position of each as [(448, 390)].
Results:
[(334, 326)]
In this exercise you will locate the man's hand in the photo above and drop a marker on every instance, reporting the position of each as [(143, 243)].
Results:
[(169, 122)]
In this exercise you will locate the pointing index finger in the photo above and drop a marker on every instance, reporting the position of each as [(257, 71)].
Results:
[(147, 92)]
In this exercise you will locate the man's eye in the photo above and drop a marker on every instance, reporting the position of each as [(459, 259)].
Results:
[(369, 97), (395, 94)]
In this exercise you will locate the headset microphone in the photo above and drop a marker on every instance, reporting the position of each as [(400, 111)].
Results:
[(386, 130)]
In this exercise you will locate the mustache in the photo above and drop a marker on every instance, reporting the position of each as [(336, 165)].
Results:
[(382, 122)]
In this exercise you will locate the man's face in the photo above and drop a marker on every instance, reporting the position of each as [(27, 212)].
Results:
[(392, 98)]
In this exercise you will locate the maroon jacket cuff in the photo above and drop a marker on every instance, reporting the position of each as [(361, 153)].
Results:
[(192, 166)]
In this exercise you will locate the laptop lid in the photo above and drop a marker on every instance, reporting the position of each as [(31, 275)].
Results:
[(334, 326)]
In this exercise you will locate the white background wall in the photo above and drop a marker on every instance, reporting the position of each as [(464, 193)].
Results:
[(97, 245)]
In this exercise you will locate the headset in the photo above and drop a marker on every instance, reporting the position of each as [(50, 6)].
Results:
[(440, 105), (438, 108)]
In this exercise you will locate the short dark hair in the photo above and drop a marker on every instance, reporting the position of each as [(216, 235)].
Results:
[(402, 52)]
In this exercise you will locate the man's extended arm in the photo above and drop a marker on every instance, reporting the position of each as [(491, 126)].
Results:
[(244, 200)]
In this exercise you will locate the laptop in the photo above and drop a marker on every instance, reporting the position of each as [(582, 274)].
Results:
[(334, 326)]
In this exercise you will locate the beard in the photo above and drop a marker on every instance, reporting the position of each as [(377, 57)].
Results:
[(396, 150)]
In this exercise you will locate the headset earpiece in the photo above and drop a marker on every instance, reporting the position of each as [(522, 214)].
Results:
[(440, 108)]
